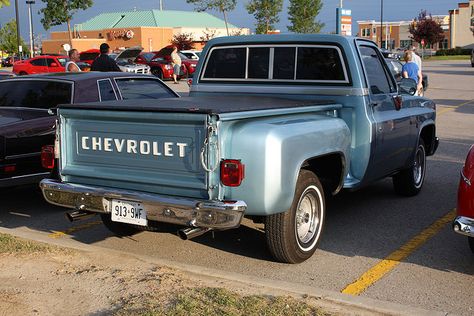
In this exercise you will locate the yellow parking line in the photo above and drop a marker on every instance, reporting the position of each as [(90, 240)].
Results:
[(59, 234), (452, 108), (389, 263)]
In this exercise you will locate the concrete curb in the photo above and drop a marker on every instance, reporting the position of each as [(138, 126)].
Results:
[(330, 299)]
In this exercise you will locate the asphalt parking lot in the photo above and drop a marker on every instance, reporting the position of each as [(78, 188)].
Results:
[(376, 244)]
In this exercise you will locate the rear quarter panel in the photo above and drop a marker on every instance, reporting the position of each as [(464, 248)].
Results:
[(273, 151)]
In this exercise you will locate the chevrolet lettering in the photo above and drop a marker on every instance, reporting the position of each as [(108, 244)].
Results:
[(273, 125), (133, 146)]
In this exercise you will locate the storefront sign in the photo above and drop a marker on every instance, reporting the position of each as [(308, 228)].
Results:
[(123, 34)]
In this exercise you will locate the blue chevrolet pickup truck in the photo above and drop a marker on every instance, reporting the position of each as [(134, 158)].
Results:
[(273, 125)]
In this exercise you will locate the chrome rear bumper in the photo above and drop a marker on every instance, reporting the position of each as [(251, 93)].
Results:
[(160, 208), (464, 226)]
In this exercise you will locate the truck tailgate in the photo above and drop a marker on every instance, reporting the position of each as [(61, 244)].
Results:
[(144, 151)]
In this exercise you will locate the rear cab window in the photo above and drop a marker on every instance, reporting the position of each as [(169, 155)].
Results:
[(142, 88), (106, 90), (37, 94), (312, 63)]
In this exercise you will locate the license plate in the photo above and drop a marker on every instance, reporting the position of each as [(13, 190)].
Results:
[(128, 212)]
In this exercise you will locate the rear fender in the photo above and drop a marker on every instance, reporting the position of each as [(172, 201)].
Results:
[(274, 150)]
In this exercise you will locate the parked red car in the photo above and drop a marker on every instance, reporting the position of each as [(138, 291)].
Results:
[(88, 56), (160, 63), (40, 64), (464, 222), (190, 64)]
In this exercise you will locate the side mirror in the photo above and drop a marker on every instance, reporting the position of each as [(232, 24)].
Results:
[(407, 86), (53, 65)]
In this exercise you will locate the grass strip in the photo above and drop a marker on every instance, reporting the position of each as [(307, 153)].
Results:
[(11, 244), (453, 57), (218, 301)]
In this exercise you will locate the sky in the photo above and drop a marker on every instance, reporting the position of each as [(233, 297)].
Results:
[(394, 10)]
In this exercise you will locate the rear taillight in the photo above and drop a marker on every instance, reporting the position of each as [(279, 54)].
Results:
[(47, 156), (232, 172), (190, 81), (9, 168)]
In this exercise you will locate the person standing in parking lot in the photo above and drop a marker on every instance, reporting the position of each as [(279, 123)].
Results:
[(104, 62), (176, 62), (410, 70), (71, 65), (416, 58)]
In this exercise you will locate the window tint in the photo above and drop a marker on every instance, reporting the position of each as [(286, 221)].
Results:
[(284, 63), (226, 63), (258, 63), (318, 63), (106, 91), (38, 62), (136, 88), (34, 93), (50, 61), (376, 74)]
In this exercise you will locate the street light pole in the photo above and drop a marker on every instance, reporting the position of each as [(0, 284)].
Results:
[(17, 27), (32, 43), (381, 22)]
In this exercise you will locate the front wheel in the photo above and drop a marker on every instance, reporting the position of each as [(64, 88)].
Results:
[(157, 73), (293, 236), (408, 182)]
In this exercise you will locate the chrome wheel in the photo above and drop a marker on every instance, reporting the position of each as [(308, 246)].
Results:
[(419, 166), (308, 217)]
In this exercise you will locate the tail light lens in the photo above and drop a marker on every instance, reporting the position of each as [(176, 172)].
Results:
[(47, 156), (232, 172)]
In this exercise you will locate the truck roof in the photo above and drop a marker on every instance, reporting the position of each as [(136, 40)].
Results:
[(201, 104)]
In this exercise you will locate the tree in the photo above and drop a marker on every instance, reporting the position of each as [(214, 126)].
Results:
[(4, 3), (223, 6), (8, 42), (424, 27), (207, 35), (266, 13), (183, 41), (302, 15), (58, 12)]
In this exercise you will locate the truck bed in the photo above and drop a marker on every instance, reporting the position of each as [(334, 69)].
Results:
[(201, 104)]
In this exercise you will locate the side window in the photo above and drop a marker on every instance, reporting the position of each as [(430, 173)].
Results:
[(226, 63), (318, 63), (376, 74), (138, 88), (38, 62), (284, 63), (258, 64), (50, 61), (106, 91), (35, 93)]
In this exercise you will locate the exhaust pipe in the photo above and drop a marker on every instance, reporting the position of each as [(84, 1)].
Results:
[(78, 215), (192, 232)]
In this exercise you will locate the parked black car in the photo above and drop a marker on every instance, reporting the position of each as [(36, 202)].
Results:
[(395, 67), (26, 124)]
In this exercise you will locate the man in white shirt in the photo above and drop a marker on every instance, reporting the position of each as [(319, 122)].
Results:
[(71, 65), (416, 58)]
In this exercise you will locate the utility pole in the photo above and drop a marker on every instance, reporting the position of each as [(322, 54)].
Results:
[(161, 5), (32, 41), (17, 27), (381, 22)]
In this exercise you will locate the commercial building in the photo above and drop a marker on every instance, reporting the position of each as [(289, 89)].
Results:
[(150, 29), (397, 34), (462, 25), (458, 29)]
